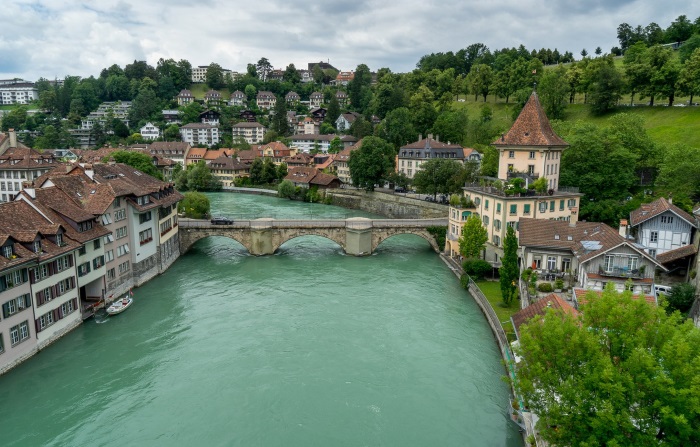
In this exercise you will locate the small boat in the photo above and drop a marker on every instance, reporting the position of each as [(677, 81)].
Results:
[(120, 306)]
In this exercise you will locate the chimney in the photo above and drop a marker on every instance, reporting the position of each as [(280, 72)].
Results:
[(437, 138), (430, 136), (623, 228), (420, 136), (13, 137), (670, 197)]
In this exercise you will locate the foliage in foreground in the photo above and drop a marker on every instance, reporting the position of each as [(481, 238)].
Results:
[(194, 205), (623, 373)]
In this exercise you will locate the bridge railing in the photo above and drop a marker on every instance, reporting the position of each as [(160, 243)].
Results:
[(315, 223)]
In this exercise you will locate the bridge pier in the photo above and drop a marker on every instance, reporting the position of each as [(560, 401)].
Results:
[(358, 237), (261, 242)]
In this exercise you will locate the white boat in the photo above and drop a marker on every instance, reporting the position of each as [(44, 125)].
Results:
[(120, 306)]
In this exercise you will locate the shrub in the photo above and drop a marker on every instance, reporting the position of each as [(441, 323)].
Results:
[(559, 284), (440, 235), (476, 268), (286, 189), (464, 281), (681, 298), (545, 287), (526, 274)]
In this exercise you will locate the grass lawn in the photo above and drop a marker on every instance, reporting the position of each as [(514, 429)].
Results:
[(198, 90), (492, 290)]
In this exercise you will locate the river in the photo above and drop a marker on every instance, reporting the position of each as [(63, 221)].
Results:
[(308, 347)]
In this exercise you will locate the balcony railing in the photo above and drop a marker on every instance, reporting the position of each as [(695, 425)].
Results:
[(622, 272)]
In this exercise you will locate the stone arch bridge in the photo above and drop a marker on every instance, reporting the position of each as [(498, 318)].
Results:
[(357, 236)]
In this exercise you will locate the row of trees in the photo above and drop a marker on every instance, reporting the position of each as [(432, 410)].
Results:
[(679, 30)]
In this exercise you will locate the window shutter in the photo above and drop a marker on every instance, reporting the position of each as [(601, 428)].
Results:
[(40, 298), (27, 300), (32, 276), (75, 303), (72, 282), (37, 325), (59, 311), (50, 266), (5, 310), (70, 260), (56, 291), (25, 275), (55, 315)]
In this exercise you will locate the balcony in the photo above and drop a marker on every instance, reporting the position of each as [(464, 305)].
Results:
[(623, 271)]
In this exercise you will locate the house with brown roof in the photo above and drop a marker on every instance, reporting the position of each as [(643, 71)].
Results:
[(664, 230), (307, 126), (315, 100), (238, 98), (340, 163), (184, 97), (590, 253), (213, 98), (277, 151), (538, 309), (173, 150), (301, 159), (266, 100), (228, 169), (342, 98), (529, 150), (292, 98), (345, 120), (344, 77), (307, 177), (411, 156), (20, 164)]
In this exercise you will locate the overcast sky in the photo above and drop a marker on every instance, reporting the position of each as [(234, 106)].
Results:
[(55, 38)]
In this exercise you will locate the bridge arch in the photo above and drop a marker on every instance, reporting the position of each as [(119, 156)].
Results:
[(336, 235), (189, 238), (379, 236)]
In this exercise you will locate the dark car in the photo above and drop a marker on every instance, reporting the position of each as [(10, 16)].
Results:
[(400, 189), (221, 221)]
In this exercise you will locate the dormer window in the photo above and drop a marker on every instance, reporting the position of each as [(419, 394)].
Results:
[(7, 251), (37, 246), (59, 239), (84, 226)]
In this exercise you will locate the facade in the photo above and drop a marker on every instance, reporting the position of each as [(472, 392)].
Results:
[(227, 170), (661, 227), (342, 98), (344, 77), (18, 93), (315, 100), (592, 253), (266, 100), (310, 177), (292, 98), (345, 120), (150, 132), (213, 98), (199, 73), (200, 134), (210, 117), (173, 150), (307, 143), (531, 140), (413, 155), (20, 164), (340, 163), (307, 126), (184, 97), (252, 133), (172, 116), (237, 98)]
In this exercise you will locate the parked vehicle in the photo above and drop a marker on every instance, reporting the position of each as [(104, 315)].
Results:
[(660, 288), (400, 189), (221, 221)]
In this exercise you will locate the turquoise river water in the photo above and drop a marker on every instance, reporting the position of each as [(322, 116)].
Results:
[(307, 347)]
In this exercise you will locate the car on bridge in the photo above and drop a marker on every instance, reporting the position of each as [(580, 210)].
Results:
[(221, 221)]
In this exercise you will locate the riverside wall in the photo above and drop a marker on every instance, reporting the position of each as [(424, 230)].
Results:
[(388, 205)]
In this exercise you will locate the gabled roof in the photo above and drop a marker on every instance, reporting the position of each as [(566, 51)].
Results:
[(675, 254), (539, 308), (531, 128), (657, 207), (430, 143)]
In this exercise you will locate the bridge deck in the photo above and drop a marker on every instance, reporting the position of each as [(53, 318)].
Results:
[(317, 223)]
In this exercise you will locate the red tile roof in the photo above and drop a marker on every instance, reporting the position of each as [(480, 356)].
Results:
[(531, 128), (678, 253), (539, 308)]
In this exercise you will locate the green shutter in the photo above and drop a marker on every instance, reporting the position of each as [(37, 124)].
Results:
[(527, 208), (551, 205)]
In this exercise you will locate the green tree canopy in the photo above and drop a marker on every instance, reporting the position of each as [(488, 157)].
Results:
[(473, 238), (198, 177), (286, 189), (509, 272), (438, 176), (194, 205), (371, 163), (622, 374), (137, 160)]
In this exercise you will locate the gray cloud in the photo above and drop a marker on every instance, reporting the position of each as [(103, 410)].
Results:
[(61, 37)]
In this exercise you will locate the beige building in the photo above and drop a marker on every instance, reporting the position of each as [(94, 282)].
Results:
[(529, 150), (252, 133)]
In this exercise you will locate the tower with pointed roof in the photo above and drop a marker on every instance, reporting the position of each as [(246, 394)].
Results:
[(530, 149)]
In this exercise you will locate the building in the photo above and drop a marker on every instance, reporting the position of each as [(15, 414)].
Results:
[(344, 77), (228, 169), (173, 150), (341, 163), (105, 113), (238, 98), (660, 227), (172, 116), (342, 98), (316, 142), (315, 100), (184, 97), (345, 120), (150, 132), (265, 100), (20, 164), (212, 98), (530, 149), (307, 126), (307, 177), (413, 155), (590, 253), (210, 117), (252, 133), (277, 151), (200, 134), (18, 93)]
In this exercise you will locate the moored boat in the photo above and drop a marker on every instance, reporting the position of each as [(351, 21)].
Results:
[(120, 306)]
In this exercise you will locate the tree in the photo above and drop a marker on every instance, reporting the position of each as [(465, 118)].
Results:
[(198, 177), (286, 189), (256, 171), (452, 125), (281, 171), (359, 92), (509, 272), (553, 90), (622, 374), (250, 92), (291, 75), (360, 128), (606, 89), (664, 74), (269, 171), (680, 29), (480, 80), (137, 160), (473, 238), (688, 48), (144, 106), (681, 298), (278, 122), (194, 205), (371, 163), (333, 111), (436, 176), (172, 133), (263, 68), (397, 128), (423, 113), (678, 172), (215, 76), (335, 146), (598, 51), (689, 78), (584, 53)]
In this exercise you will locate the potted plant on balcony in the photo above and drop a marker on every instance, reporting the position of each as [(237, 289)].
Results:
[(642, 269)]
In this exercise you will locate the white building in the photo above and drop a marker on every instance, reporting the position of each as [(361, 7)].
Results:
[(200, 133), (252, 133), (18, 93), (150, 132)]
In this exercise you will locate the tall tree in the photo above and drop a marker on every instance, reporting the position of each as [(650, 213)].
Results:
[(480, 80), (689, 78), (436, 176), (278, 122), (606, 88), (553, 91), (473, 239), (359, 88), (423, 113), (624, 374), (263, 69), (215, 76), (371, 163), (397, 128), (291, 75), (509, 272), (333, 111)]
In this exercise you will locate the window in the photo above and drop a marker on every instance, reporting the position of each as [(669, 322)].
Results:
[(497, 224), (123, 267), (85, 226), (526, 209), (496, 240), (120, 232), (82, 250), (146, 236), (37, 246), (511, 154), (109, 255), (111, 274), (2, 346), (531, 169), (96, 244), (513, 209), (14, 335), (477, 201), (561, 205), (551, 205), (498, 207), (571, 202), (666, 219), (510, 168), (514, 225), (119, 215), (486, 204), (84, 269), (98, 262), (566, 264), (59, 239), (45, 321), (122, 250), (532, 155), (652, 252), (543, 207), (44, 270), (106, 219), (654, 236), (486, 220), (608, 266), (632, 263), (108, 239)]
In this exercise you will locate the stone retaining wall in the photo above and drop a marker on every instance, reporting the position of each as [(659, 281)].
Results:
[(388, 205)]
